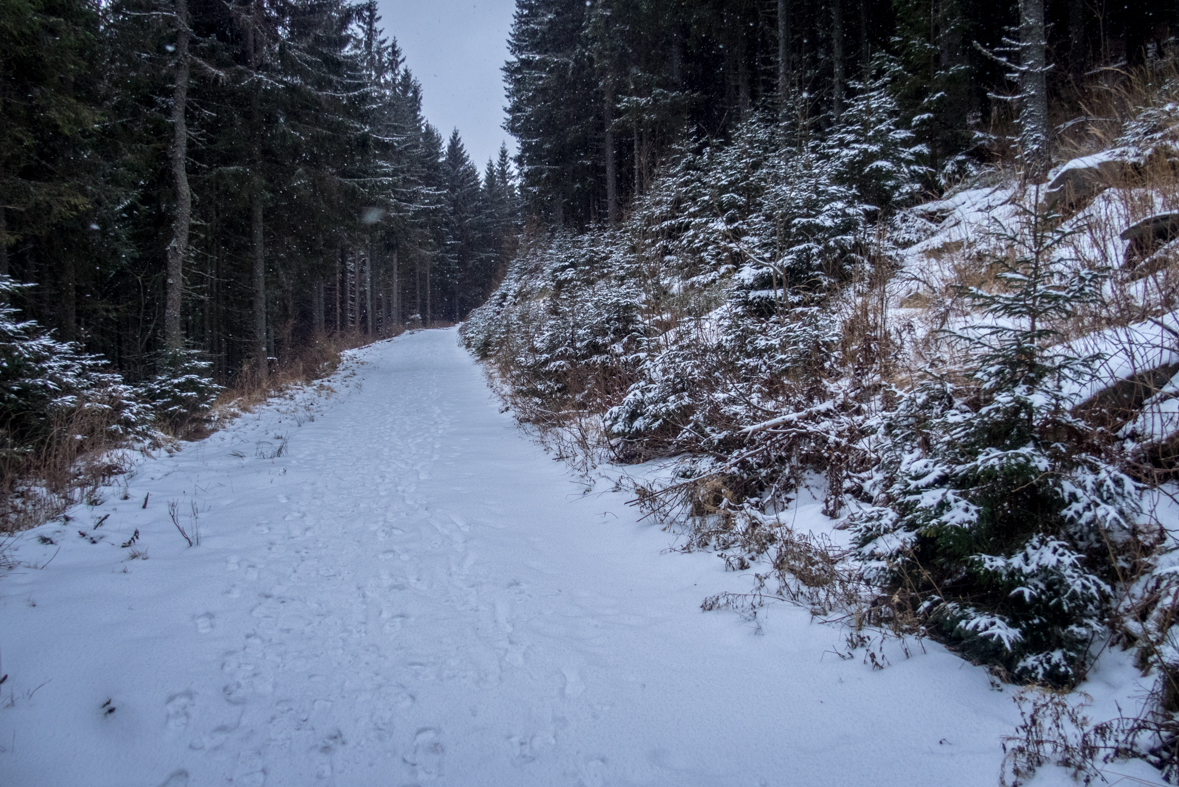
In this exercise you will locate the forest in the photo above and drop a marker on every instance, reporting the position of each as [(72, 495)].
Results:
[(231, 179), (600, 93)]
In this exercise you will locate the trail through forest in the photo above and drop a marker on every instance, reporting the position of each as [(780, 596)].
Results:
[(394, 586)]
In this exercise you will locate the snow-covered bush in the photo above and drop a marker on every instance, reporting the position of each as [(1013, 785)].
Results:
[(182, 393), (871, 152), (52, 392), (995, 506), (563, 327)]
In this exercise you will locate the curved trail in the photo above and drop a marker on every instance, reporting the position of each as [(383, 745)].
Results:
[(411, 592)]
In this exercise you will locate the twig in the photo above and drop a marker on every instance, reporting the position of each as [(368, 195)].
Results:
[(173, 512)]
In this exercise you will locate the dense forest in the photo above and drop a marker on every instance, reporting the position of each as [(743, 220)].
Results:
[(230, 178), (600, 92)]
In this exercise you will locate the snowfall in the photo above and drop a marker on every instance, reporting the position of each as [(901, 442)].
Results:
[(393, 585)]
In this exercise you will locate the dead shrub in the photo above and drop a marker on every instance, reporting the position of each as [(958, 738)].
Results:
[(68, 466), (318, 358)]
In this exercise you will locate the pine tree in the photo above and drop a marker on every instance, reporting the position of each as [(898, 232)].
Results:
[(933, 47), (553, 107), (996, 507), (47, 182), (465, 261), (870, 151)]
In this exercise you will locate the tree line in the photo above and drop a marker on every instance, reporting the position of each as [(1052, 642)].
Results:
[(233, 178), (600, 92)]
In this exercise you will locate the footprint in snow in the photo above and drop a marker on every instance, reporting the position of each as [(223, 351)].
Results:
[(426, 758), (526, 750), (573, 685), (323, 753), (204, 623), (177, 779), (592, 773), (403, 698), (216, 737), (177, 713)]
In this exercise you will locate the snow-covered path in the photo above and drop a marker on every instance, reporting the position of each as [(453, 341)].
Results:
[(413, 592)]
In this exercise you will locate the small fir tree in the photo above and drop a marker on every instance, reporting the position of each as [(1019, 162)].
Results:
[(995, 506)]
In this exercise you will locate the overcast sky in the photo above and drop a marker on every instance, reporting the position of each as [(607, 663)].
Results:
[(456, 48)]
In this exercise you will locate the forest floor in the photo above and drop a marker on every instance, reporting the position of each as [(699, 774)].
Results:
[(393, 585)]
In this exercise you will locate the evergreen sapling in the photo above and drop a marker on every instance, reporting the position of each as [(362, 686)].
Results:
[(995, 507)]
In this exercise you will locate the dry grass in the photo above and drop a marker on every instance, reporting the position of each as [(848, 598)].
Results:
[(1112, 97), (317, 359), (68, 467), (81, 454)]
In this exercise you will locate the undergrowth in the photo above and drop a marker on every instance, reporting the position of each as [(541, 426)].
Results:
[(979, 384), (69, 426)]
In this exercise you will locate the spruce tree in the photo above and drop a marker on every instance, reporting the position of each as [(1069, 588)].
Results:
[(996, 508)]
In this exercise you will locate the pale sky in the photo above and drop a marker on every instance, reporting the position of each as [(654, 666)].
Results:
[(456, 49)]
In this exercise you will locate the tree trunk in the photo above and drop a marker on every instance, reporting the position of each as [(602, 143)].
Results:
[(429, 311), (677, 58), (417, 285), (783, 53), (638, 160), (837, 61), (1033, 109), (317, 296), (3, 243), (744, 91), (257, 239), (1137, 22), (1076, 36), (257, 228), (368, 286), (865, 43), (611, 162), (396, 294), (178, 153), (69, 299)]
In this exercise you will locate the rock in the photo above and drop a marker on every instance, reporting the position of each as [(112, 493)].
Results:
[(1080, 180), (1149, 235)]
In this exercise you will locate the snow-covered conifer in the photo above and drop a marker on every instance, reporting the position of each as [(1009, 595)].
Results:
[(994, 505)]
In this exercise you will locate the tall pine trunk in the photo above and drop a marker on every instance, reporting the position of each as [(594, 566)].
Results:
[(744, 89), (783, 53), (178, 153), (257, 228), (417, 285), (395, 298), (317, 296), (837, 57), (1033, 106), (370, 312), (3, 243), (611, 162), (1077, 46), (69, 297), (257, 239), (865, 44)]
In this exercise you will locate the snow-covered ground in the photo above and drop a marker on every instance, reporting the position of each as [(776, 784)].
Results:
[(411, 591)]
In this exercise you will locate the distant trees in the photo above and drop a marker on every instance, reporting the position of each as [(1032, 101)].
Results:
[(600, 92), (230, 178)]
